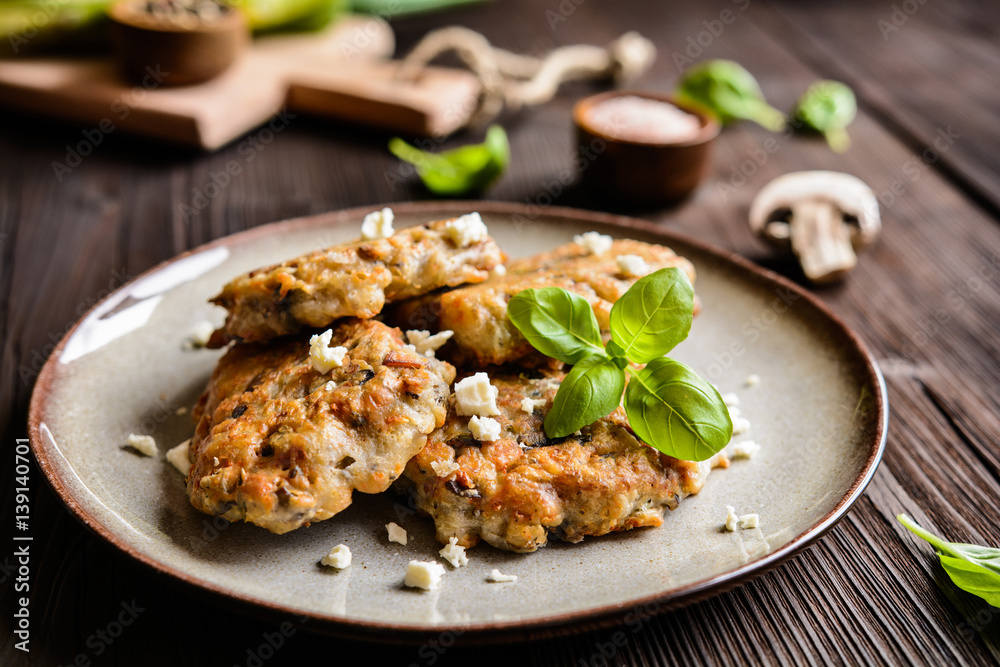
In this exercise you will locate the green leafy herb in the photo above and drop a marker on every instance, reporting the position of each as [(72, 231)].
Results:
[(828, 107), (557, 323), (668, 405), (972, 568), (459, 171), (728, 91), (593, 389)]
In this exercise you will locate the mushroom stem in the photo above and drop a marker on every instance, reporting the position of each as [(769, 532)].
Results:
[(821, 240)]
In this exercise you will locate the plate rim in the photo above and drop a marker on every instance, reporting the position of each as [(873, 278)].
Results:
[(508, 630)]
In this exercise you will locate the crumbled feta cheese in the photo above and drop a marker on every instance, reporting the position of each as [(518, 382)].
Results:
[(330, 386), (594, 243), (632, 265), (485, 429), (180, 411), (339, 556), (734, 411), (731, 399), (741, 425), (476, 396), (426, 344), (144, 444), (498, 271), (444, 468), (200, 334), (396, 533), (745, 449), (325, 358), (731, 519), (466, 230), (426, 575), (178, 457), (454, 553), (377, 225), (497, 577), (215, 461), (753, 380), (749, 521), (529, 404)]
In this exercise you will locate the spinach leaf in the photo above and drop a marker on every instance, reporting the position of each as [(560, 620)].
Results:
[(675, 410), (729, 92), (972, 568), (593, 389), (654, 315), (557, 323), (828, 107), (459, 171)]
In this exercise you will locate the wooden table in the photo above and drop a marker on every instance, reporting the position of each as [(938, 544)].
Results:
[(925, 299)]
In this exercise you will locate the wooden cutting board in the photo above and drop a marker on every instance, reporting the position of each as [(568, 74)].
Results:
[(342, 73)]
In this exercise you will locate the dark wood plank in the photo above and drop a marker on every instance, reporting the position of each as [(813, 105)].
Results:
[(866, 593)]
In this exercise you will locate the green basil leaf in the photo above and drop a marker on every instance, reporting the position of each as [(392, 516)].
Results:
[(593, 389), (729, 92), (676, 411), (828, 107), (973, 568), (654, 315), (557, 323), (458, 171)]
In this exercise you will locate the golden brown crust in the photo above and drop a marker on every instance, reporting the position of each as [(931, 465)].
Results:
[(478, 313), (351, 280), (515, 491), (280, 445)]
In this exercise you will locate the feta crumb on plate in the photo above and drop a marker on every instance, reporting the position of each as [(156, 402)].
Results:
[(476, 396), (200, 334), (498, 271), (325, 358), (745, 449), (632, 265), (339, 557), (594, 243), (454, 553), (144, 444), (377, 225), (426, 575), (753, 380), (731, 519), (731, 399), (444, 468), (740, 425), (484, 429), (529, 404), (466, 230), (396, 533), (749, 521), (497, 577), (426, 344), (178, 457)]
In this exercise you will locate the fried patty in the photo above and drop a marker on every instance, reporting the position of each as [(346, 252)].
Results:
[(478, 313), (351, 280), (516, 491), (280, 445)]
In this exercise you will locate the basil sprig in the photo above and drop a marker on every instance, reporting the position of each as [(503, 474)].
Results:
[(972, 568), (459, 171), (669, 406)]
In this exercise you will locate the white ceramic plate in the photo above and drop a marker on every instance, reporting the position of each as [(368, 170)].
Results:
[(819, 413)]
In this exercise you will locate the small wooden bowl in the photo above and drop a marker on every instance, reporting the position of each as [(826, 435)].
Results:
[(154, 51), (642, 172)]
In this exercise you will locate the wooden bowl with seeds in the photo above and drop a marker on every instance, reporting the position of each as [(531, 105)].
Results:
[(176, 42)]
